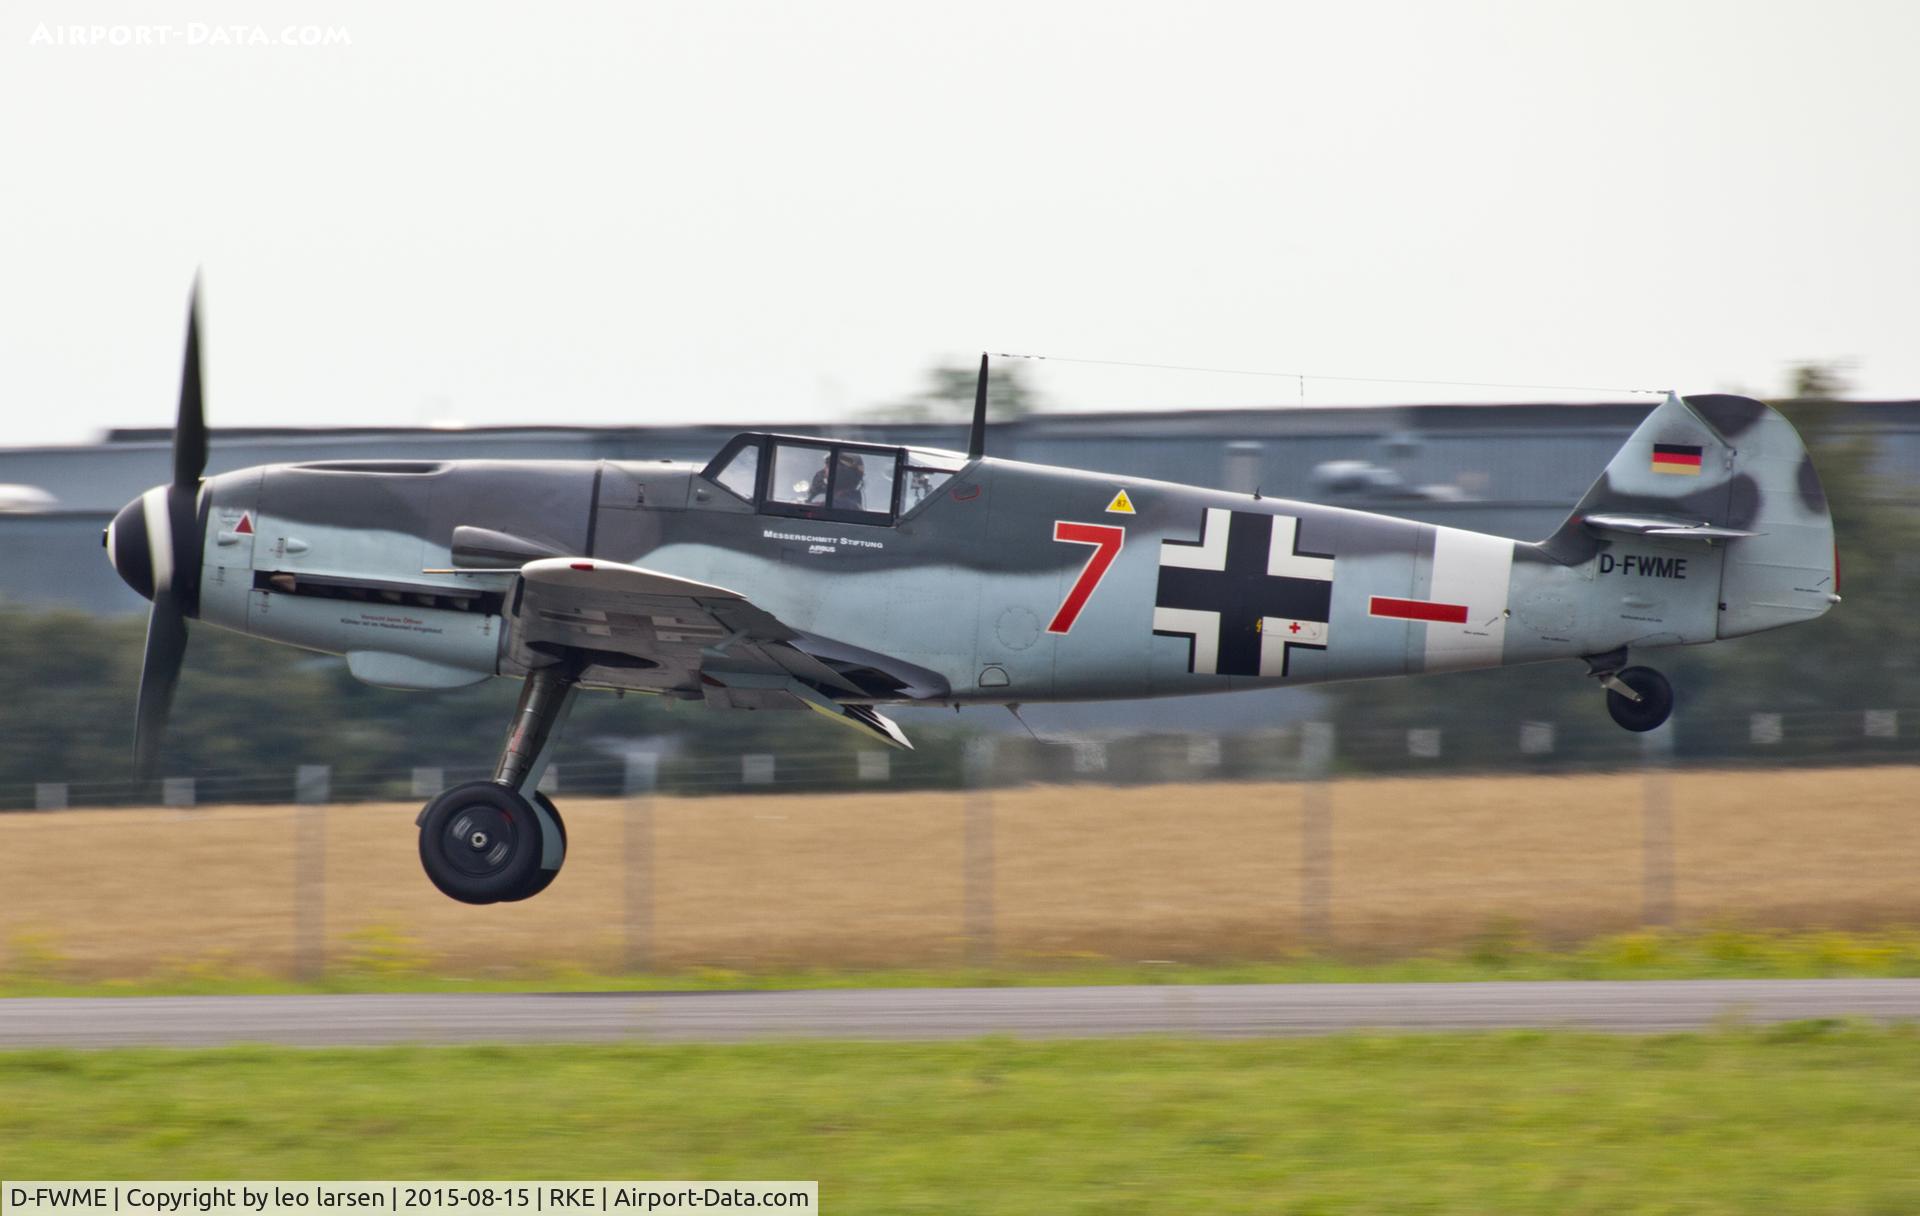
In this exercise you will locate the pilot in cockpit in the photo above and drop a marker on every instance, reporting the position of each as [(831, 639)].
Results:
[(848, 489)]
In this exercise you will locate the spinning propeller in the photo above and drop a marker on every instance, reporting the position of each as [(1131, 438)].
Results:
[(155, 544)]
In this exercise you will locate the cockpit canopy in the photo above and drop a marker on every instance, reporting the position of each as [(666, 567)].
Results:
[(809, 478)]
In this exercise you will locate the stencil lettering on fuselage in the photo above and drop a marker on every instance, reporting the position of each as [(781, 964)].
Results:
[(1243, 594)]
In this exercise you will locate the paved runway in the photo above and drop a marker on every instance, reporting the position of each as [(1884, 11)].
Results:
[(1221, 1011)]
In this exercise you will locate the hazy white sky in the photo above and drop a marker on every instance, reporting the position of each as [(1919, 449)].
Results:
[(632, 212)]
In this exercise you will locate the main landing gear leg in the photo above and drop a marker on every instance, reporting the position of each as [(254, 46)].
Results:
[(1639, 698), (502, 840)]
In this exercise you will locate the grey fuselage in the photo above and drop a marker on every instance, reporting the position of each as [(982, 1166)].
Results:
[(987, 586)]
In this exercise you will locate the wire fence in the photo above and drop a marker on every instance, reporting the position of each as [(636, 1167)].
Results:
[(1285, 753), (1328, 864)]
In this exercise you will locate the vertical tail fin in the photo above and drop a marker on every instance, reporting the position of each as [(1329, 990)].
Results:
[(1675, 464), (1728, 463)]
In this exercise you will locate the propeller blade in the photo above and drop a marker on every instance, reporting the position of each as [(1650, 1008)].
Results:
[(159, 674), (176, 589), (190, 428)]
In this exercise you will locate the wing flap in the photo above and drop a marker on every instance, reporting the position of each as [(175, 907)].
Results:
[(759, 690)]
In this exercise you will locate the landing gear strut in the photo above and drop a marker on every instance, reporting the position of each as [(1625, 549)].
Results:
[(502, 840), (1639, 698)]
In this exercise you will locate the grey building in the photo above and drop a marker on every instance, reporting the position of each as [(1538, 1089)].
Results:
[(1509, 469)]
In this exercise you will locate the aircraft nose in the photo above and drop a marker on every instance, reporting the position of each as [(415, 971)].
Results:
[(138, 542)]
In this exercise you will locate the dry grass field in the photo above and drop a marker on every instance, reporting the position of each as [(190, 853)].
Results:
[(1184, 872)]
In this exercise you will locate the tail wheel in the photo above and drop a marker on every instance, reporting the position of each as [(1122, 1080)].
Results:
[(1653, 707), (480, 843), (542, 879)]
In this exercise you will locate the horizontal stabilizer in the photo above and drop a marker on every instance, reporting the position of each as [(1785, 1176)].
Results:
[(1671, 526)]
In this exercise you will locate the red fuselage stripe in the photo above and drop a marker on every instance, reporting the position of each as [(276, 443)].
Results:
[(1417, 610)]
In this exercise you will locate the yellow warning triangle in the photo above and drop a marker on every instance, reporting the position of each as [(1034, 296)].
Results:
[(1121, 504)]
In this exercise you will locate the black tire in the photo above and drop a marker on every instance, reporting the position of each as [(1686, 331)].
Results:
[(1654, 705), (480, 843), (542, 879)]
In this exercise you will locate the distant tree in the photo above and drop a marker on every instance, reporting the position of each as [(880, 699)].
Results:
[(948, 395), (1865, 654), (249, 709)]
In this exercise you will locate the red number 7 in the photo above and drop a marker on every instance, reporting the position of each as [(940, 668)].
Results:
[(1106, 540)]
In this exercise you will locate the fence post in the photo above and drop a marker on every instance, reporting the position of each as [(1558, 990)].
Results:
[(312, 784), (1656, 829), (1089, 756), (428, 782), (1536, 738), (875, 766), (1203, 751), (1316, 834), (977, 851), (643, 773), (310, 787)]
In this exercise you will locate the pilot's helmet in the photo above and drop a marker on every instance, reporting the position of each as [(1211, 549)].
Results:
[(851, 462)]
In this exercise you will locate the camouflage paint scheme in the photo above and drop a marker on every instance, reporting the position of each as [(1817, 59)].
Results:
[(961, 599)]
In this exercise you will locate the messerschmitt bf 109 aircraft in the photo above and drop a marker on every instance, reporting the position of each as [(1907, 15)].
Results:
[(801, 573)]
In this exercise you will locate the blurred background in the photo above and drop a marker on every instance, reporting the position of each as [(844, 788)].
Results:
[(1457, 243), (1372, 820), (252, 715), (1450, 254)]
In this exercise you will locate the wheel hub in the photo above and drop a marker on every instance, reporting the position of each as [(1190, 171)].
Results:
[(479, 840)]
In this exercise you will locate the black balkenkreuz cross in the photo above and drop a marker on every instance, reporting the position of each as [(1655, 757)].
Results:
[(1244, 595)]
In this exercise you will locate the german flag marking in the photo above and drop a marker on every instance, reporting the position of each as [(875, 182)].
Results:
[(1417, 610), (1676, 458)]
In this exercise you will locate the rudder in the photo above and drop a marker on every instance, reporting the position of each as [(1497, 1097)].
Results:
[(1790, 572)]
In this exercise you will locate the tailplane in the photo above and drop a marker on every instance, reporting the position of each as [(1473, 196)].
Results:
[(1721, 470)]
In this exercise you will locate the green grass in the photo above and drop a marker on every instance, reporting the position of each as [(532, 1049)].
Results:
[(1499, 954), (1811, 1117)]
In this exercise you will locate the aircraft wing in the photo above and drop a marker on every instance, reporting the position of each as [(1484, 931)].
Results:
[(631, 627)]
